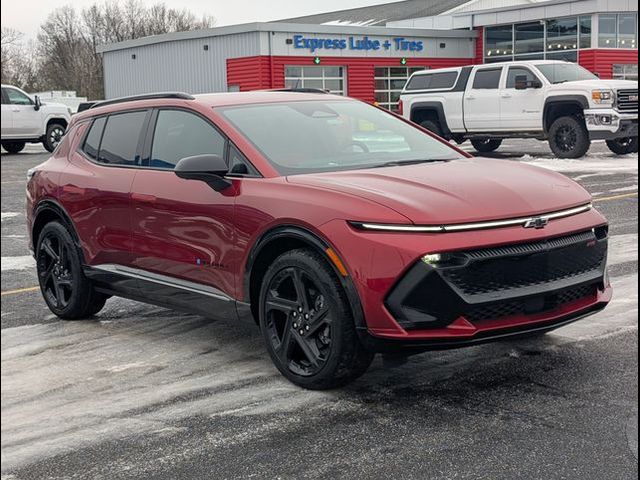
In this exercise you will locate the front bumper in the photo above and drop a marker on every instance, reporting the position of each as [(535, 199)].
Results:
[(610, 124)]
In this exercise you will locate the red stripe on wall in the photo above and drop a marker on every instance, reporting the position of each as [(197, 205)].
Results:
[(601, 61), (479, 58)]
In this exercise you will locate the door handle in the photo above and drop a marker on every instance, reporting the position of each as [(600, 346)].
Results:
[(15, 109), (143, 198), (506, 95), (471, 98)]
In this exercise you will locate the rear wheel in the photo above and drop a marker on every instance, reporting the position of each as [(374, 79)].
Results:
[(569, 138), (486, 145), (13, 147), (307, 323), (67, 292), (623, 146), (53, 137), (433, 126)]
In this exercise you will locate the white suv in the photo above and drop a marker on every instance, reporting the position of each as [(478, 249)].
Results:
[(26, 119), (556, 101)]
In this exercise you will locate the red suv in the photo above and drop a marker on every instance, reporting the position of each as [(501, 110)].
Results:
[(341, 229)]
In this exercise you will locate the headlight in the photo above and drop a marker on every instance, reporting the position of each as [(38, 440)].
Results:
[(602, 96)]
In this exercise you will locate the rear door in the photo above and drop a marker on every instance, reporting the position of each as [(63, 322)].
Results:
[(183, 230), (26, 120), (521, 109), (481, 100)]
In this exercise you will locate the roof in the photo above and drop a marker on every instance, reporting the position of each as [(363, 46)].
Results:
[(379, 15)]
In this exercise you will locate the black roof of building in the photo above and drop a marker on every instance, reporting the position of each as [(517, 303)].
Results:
[(377, 15)]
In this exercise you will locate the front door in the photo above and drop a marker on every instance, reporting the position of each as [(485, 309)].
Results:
[(521, 109), (7, 115), (26, 120), (481, 101), (183, 230)]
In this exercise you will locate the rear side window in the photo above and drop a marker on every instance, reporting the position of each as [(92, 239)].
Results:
[(180, 134), (487, 79), (120, 139), (433, 81), (92, 141)]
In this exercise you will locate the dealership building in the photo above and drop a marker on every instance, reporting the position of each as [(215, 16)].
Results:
[(369, 52)]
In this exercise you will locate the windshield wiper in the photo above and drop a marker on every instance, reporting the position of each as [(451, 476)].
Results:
[(400, 163)]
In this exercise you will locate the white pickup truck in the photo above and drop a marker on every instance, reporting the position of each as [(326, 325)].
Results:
[(28, 120), (556, 101)]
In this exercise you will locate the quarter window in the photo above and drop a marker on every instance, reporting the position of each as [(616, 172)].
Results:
[(120, 139), (487, 79), (92, 141), (180, 134), (433, 81)]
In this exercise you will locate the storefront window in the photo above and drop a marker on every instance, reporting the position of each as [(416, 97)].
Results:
[(585, 32), (568, 56), (389, 82), (625, 72), (562, 34), (618, 31), (320, 77), (627, 30), (529, 38), (499, 43), (607, 28)]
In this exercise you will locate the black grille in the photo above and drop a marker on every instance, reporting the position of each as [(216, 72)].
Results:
[(500, 270), (628, 100), (529, 306)]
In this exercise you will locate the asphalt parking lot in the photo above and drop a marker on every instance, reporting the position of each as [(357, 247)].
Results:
[(150, 393)]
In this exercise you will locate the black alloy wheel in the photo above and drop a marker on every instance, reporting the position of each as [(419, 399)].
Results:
[(307, 323), (54, 135), (569, 138), (66, 290), (623, 146), (13, 147)]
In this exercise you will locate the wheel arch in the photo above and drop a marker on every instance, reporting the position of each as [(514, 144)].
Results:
[(421, 111), (50, 210), (279, 240), (562, 105)]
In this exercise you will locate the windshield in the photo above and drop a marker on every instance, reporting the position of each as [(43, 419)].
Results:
[(324, 136), (565, 72)]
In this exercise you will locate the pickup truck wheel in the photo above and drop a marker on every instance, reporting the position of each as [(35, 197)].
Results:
[(486, 145), (433, 126), (13, 147), (569, 138), (55, 132), (623, 146)]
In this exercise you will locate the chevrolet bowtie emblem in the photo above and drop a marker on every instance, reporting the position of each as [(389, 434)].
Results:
[(537, 223)]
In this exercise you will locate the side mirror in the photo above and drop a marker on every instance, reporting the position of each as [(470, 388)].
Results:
[(37, 104), (209, 169)]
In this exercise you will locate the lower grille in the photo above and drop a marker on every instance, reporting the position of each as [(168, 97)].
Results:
[(628, 100)]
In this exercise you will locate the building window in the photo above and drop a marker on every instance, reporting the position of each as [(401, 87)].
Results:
[(389, 82), (618, 31), (568, 56), (625, 72), (322, 78), (529, 38), (562, 34), (585, 32), (499, 43)]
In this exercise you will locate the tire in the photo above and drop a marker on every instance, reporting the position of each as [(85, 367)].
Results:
[(13, 147), (486, 145), (67, 292), (569, 138), (55, 132), (623, 146), (322, 350), (433, 126)]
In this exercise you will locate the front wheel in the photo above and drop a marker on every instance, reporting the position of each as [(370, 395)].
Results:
[(623, 146), (307, 323), (53, 137), (13, 147), (67, 292), (486, 145), (569, 138)]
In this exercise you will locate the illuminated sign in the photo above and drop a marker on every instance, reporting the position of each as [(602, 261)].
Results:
[(397, 44)]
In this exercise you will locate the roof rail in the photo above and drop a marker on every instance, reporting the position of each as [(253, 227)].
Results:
[(300, 90), (146, 96)]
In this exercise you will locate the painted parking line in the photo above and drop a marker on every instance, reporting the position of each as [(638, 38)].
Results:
[(616, 197), (20, 290)]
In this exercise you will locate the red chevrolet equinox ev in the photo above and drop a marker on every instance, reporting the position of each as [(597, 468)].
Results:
[(341, 229)]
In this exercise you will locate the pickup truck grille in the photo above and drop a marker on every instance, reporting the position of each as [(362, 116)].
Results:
[(628, 100)]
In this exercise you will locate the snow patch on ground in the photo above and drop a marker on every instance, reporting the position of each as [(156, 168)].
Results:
[(24, 262), (6, 215)]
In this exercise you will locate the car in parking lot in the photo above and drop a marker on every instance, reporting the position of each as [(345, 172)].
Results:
[(557, 101), (28, 120), (339, 228)]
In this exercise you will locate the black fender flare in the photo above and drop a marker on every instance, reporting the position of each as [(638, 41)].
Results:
[(315, 242), (50, 205), (436, 107), (577, 100)]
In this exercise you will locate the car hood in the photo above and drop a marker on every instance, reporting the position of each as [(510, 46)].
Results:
[(602, 84), (459, 191)]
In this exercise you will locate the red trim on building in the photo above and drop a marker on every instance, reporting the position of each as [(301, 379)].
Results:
[(601, 61), (479, 58), (263, 72)]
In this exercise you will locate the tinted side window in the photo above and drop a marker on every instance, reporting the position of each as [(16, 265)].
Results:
[(16, 97), (517, 72), (92, 142), (239, 165), (487, 79), (120, 138), (180, 134), (433, 81), (5, 101)]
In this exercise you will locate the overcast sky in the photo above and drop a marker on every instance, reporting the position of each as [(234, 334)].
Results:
[(27, 15)]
